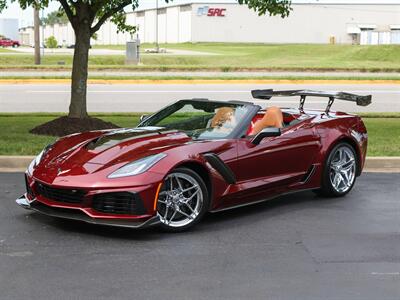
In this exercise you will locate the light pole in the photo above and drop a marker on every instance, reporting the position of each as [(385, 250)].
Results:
[(157, 46)]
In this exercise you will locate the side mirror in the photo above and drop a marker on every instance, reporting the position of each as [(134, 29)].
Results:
[(143, 117), (266, 132)]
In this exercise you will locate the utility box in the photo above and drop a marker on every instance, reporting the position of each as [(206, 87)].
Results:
[(132, 52)]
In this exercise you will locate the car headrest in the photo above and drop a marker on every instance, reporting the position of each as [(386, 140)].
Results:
[(273, 117), (222, 115)]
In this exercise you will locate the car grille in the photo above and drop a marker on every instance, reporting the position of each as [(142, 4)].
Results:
[(118, 203), (60, 195)]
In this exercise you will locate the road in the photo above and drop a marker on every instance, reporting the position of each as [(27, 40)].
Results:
[(151, 97), (294, 247), (199, 74)]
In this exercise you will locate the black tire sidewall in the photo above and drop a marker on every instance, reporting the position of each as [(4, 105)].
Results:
[(204, 208), (327, 188)]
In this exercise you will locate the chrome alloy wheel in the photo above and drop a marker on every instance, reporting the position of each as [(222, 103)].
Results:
[(180, 200), (343, 169)]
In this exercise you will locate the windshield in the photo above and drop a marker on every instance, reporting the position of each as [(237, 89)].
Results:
[(200, 119)]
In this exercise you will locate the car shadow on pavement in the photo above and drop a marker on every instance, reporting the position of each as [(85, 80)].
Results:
[(278, 206), (243, 216), (82, 228)]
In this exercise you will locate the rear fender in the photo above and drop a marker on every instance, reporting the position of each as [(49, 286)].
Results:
[(349, 130)]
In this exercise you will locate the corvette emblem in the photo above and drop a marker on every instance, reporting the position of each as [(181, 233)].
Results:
[(60, 171)]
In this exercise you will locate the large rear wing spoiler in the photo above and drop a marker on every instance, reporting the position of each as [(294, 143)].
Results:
[(269, 93)]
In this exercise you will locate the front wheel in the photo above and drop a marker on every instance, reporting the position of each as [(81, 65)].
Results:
[(182, 201), (339, 172)]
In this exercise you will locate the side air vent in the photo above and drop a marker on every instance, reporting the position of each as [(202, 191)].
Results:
[(309, 174), (29, 191)]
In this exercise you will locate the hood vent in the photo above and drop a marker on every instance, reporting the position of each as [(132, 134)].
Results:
[(116, 137)]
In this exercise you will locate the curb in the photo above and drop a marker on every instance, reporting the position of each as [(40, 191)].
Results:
[(14, 163), (372, 164), (382, 164), (201, 81)]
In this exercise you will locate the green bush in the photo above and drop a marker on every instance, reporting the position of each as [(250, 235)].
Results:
[(51, 42)]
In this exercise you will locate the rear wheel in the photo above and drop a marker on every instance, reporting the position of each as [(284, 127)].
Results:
[(339, 172), (182, 201)]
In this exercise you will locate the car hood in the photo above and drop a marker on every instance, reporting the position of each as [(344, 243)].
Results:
[(90, 152)]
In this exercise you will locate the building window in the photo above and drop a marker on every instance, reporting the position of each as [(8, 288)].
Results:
[(394, 27), (367, 27)]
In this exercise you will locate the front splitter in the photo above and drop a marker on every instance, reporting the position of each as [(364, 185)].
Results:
[(73, 214)]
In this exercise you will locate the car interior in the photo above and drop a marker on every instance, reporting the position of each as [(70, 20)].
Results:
[(221, 116), (271, 117), (224, 119)]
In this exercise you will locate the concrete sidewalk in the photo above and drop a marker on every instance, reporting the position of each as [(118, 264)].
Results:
[(373, 164)]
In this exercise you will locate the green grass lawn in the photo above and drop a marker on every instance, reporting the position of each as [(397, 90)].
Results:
[(383, 132), (241, 56), (6, 50)]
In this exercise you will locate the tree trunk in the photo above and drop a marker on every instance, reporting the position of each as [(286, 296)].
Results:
[(36, 25), (77, 107)]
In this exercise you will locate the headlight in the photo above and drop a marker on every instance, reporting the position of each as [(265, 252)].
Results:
[(138, 166), (38, 158)]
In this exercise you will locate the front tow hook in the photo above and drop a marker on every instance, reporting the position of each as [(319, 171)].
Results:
[(24, 202)]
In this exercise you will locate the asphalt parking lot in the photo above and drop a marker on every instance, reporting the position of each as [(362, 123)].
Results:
[(294, 247)]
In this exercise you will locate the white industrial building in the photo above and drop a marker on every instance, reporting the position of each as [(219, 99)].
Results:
[(65, 36), (348, 22), (311, 21)]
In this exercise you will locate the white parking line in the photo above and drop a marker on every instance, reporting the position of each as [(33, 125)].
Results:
[(286, 101), (387, 274), (187, 91)]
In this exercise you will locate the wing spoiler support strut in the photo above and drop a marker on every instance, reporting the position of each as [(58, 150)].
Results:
[(269, 93)]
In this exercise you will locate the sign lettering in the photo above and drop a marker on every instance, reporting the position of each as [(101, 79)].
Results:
[(211, 12)]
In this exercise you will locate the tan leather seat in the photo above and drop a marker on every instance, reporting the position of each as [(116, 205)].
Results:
[(273, 117), (222, 115)]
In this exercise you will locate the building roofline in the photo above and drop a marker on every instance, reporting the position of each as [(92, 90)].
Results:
[(162, 6)]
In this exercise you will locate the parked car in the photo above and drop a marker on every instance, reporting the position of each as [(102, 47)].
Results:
[(197, 156), (5, 42)]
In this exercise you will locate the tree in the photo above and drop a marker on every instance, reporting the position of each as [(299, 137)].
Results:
[(51, 42), (55, 17), (86, 18)]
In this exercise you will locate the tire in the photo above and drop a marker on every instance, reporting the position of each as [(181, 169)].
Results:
[(180, 211), (339, 175)]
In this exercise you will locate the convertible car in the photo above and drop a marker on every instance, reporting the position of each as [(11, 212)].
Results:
[(197, 156)]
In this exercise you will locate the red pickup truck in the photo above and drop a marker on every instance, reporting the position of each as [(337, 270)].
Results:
[(5, 42)]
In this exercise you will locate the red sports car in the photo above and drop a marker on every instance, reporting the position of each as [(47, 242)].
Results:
[(5, 42), (197, 156)]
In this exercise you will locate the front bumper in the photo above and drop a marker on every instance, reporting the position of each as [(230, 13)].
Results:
[(78, 215)]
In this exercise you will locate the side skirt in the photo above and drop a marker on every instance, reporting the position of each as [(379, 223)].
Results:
[(262, 200)]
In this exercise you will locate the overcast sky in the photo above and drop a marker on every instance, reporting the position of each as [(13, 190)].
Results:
[(25, 17)]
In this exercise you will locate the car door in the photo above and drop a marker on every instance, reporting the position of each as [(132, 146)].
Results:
[(277, 161)]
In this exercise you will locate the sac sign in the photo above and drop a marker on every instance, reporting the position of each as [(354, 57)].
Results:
[(211, 11)]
